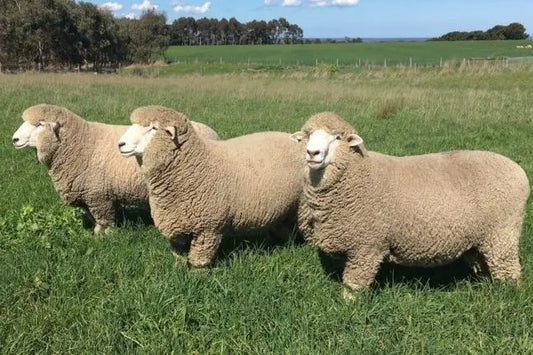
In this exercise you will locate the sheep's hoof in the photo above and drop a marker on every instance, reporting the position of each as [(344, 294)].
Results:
[(179, 259), (198, 264), (102, 229), (350, 296), (98, 229)]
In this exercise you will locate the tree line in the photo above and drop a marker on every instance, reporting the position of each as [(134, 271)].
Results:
[(204, 31), (39, 34), (514, 30)]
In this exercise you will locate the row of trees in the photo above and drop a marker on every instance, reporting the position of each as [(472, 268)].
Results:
[(42, 33), (188, 31), (514, 30), (36, 34)]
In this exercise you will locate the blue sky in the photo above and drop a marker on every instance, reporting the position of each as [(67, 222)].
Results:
[(352, 18)]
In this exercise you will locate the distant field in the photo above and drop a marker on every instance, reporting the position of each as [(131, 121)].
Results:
[(420, 53), (64, 290)]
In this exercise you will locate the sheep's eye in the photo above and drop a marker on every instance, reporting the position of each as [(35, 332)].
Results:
[(338, 137), (38, 124)]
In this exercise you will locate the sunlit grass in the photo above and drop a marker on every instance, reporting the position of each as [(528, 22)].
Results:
[(65, 290)]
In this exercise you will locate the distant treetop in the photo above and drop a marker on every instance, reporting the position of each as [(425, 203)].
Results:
[(514, 30)]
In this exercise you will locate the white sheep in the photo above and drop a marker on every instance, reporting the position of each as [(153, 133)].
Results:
[(201, 190), (420, 210), (83, 161)]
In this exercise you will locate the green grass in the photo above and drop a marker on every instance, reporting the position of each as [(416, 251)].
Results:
[(420, 53), (65, 290)]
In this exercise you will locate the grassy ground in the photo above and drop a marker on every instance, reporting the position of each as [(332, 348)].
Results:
[(421, 53), (65, 290)]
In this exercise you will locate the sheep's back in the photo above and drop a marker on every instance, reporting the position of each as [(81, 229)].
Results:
[(265, 170), (118, 176)]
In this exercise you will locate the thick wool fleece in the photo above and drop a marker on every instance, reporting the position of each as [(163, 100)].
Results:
[(84, 163), (205, 189), (417, 210)]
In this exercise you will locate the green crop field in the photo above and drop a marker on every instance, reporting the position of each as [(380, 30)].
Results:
[(352, 54), (65, 290)]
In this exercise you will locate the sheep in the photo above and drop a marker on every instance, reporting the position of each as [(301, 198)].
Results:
[(82, 161), (200, 191), (423, 210)]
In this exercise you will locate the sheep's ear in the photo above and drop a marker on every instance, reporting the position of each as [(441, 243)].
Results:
[(177, 138), (172, 131), (354, 140), (183, 137), (54, 129), (297, 136)]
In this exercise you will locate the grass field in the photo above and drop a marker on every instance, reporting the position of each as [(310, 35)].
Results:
[(65, 290), (351, 54)]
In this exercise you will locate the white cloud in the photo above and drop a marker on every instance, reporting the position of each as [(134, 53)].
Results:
[(111, 6), (146, 5), (338, 3), (131, 16), (286, 3), (291, 3), (344, 2), (200, 9)]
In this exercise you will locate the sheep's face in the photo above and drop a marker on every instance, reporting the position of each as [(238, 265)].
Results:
[(26, 135), (321, 145), (135, 140)]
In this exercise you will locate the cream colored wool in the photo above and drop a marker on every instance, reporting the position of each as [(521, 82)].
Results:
[(206, 189), (85, 165), (421, 210)]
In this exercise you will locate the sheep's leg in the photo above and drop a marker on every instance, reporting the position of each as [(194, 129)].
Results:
[(475, 262), (359, 271), (180, 245), (501, 254), (203, 248), (104, 216)]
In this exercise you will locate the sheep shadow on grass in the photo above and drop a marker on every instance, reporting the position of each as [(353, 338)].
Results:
[(260, 241), (438, 277), (125, 216)]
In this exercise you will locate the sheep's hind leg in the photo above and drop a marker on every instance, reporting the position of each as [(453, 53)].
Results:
[(359, 272), (501, 254), (203, 249), (180, 245)]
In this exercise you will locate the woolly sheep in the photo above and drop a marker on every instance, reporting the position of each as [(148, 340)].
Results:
[(201, 190), (423, 210), (83, 162)]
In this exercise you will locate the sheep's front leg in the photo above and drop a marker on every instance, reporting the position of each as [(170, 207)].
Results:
[(104, 216), (359, 271), (203, 248)]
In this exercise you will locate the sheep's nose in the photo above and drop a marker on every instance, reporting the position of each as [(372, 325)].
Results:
[(313, 153), (121, 144), (15, 140)]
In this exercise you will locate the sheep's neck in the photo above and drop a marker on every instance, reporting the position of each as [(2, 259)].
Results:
[(69, 161), (185, 167)]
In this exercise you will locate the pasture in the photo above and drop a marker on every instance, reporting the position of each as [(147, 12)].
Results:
[(65, 290), (351, 54)]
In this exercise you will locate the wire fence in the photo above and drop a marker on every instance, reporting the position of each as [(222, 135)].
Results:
[(356, 63)]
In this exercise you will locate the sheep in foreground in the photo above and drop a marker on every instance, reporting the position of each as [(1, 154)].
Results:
[(201, 190), (421, 210), (83, 161)]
